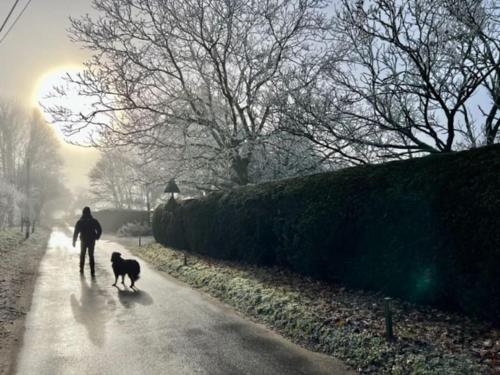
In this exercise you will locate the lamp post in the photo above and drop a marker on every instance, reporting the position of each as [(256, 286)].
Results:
[(172, 188)]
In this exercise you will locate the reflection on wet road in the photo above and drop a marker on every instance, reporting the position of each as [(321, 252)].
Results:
[(92, 309), (80, 325)]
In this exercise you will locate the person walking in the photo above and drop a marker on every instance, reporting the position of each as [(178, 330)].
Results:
[(90, 231)]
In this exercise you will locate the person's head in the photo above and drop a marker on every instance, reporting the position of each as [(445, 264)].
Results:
[(86, 211)]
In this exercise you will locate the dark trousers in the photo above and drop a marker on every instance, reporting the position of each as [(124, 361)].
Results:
[(83, 249)]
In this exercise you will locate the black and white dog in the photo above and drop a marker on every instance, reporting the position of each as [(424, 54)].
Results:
[(122, 267)]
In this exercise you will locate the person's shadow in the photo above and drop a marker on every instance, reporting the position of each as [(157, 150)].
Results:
[(93, 310), (128, 297)]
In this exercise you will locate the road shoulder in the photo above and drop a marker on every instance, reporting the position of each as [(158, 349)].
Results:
[(18, 272)]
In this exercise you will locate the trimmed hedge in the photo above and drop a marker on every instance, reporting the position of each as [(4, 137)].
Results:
[(113, 219), (426, 230)]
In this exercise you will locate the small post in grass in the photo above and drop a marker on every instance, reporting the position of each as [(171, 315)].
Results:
[(185, 259), (389, 333), (27, 233), (139, 240)]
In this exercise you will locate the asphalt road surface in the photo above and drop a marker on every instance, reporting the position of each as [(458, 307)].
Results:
[(78, 325)]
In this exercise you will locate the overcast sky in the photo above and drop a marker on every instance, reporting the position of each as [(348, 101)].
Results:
[(36, 45)]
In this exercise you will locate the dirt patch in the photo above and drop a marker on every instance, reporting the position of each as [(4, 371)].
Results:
[(18, 270)]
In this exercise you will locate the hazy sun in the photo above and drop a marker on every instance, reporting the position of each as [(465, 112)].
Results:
[(47, 94)]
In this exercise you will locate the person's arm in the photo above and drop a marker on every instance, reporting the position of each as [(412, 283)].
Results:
[(98, 230), (76, 233)]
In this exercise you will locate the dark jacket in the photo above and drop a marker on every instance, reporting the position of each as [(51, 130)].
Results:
[(88, 228)]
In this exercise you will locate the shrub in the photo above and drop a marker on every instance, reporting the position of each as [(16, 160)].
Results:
[(424, 229)]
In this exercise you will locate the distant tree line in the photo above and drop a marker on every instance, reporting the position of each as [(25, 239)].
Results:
[(225, 93), (122, 179), (30, 169)]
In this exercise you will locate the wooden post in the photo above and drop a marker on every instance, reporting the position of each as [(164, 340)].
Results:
[(185, 259), (27, 233), (139, 240), (388, 319), (28, 199), (148, 204)]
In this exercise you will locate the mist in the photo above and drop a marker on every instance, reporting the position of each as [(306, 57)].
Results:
[(325, 170)]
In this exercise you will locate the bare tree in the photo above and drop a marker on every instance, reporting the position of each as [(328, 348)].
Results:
[(27, 139), (46, 163), (111, 181), (196, 76), (283, 156), (401, 80), (125, 179), (482, 18), (12, 132)]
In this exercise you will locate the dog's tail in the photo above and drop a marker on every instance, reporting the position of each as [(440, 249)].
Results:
[(136, 276)]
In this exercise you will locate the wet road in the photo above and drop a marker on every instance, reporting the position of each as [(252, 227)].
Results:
[(82, 326)]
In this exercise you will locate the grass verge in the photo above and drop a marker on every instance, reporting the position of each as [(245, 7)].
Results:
[(337, 321), (18, 269)]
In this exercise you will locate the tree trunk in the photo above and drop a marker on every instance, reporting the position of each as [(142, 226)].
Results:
[(240, 169), (10, 211), (27, 233)]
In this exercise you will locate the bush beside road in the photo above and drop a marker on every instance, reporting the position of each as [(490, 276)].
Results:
[(424, 230)]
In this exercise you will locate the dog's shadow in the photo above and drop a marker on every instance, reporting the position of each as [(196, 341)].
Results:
[(129, 297)]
